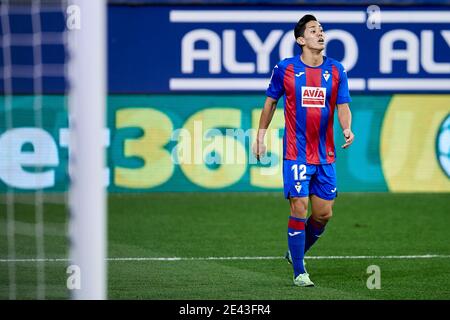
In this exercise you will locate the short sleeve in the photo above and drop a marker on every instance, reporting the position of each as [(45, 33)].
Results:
[(276, 87), (343, 92)]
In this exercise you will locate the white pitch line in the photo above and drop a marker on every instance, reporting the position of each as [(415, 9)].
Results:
[(426, 256)]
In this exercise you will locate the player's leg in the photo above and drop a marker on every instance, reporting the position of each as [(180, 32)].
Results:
[(296, 191), (299, 207), (321, 213), (296, 232), (323, 192), (296, 240)]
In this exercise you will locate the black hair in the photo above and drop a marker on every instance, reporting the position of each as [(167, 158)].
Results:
[(300, 27)]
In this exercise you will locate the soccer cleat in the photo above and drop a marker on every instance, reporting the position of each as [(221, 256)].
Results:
[(288, 257), (303, 280)]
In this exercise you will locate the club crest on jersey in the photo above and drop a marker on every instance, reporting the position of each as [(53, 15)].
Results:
[(326, 75), (313, 97)]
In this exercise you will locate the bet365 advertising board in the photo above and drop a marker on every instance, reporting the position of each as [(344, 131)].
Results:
[(186, 88), (202, 143)]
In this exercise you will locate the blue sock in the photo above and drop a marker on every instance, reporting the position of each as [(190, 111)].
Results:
[(296, 243), (313, 232)]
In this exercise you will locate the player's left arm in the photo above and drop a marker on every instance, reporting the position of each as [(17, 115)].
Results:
[(344, 113), (345, 120)]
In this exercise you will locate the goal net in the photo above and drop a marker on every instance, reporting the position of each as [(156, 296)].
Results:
[(52, 110)]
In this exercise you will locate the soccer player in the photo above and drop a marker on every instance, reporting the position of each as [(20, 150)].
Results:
[(312, 85)]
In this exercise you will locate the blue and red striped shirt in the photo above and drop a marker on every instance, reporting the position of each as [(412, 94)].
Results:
[(310, 98)]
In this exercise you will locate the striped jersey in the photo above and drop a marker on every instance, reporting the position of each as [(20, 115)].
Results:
[(310, 97)]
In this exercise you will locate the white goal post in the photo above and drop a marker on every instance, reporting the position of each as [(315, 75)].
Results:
[(87, 193)]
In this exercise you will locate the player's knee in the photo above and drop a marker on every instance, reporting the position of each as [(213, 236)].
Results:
[(327, 216), (299, 208), (324, 217)]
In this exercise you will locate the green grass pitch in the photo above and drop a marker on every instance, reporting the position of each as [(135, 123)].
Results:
[(200, 225)]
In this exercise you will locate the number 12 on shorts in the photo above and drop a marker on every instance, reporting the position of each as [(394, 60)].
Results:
[(299, 169)]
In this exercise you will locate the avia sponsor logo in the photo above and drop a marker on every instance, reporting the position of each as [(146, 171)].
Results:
[(313, 97)]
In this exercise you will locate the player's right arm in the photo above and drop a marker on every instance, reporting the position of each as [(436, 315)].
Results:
[(259, 148), (273, 93)]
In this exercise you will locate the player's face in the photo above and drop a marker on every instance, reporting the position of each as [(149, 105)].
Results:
[(313, 37)]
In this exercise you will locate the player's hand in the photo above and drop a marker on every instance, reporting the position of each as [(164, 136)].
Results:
[(349, 137), (259, 149)]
